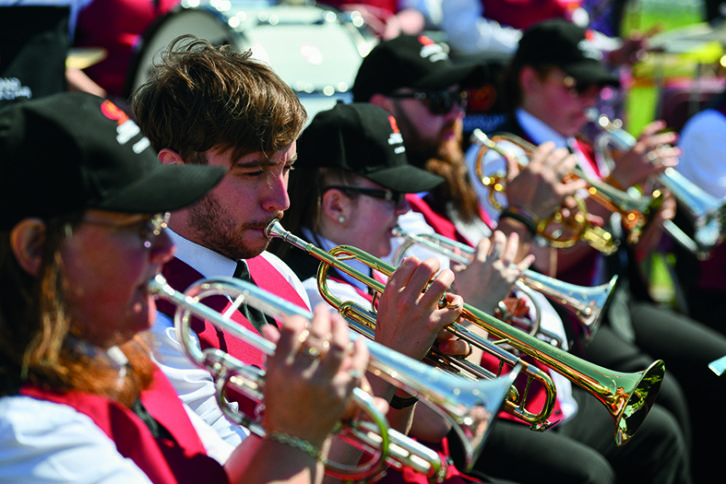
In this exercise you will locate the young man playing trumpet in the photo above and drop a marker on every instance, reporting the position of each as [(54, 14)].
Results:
[(247, 120)]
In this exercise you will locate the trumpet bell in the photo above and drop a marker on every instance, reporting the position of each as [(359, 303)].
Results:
[(705, 210), (587, 304), (627, 396), (635, 408)]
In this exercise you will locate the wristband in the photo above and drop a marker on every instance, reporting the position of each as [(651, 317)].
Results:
[(521, 216), (295, 442), (400, 403)]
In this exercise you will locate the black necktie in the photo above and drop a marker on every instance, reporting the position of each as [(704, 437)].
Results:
[(253, 315)]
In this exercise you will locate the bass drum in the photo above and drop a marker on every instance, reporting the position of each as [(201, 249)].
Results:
[(316, 50)]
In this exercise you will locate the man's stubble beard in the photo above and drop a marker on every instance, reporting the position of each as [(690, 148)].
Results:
[(214, 226), (420, 149)]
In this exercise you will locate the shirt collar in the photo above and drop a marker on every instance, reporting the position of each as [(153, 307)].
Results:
[(538, 131), (204, 260)]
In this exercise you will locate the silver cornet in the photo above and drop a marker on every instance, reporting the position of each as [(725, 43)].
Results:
[(705, 210), (469, 405), (587, 304)]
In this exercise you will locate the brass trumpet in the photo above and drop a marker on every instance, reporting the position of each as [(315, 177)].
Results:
[(469, 405), (564, 231), (363, 321), (627, 396), (705, 210), (587, 304)]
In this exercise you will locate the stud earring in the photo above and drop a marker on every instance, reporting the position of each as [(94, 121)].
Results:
[(341, 218)]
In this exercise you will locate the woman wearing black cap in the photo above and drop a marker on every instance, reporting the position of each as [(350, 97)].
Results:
[(349, 187), (80, 398)]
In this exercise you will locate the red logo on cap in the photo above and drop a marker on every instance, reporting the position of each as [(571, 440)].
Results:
[(424, 40), (113, 112), (394, 124)]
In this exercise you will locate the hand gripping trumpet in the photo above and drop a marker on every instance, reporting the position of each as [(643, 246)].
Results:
[(587, 304), (705, 210), (627, 396), (563, 231), (469, 405)]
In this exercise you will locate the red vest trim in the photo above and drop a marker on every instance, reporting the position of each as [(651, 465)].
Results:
[(180, 276), (181, 459), (267, 277)]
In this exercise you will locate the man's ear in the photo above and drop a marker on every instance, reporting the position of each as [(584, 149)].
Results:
[(26, 242), (170, 157)]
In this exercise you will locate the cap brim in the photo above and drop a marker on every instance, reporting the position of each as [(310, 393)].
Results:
[(405, 179), (466, 75), (167, 188), (591, 73)]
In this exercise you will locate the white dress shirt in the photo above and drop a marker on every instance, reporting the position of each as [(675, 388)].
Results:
[(48, 442)]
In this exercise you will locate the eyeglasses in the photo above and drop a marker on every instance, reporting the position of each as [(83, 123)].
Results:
[(438, 102), (148, 229), (380, 193)]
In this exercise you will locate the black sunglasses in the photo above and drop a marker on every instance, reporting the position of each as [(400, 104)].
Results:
[(438, 102), (389, 195), (580, 88)]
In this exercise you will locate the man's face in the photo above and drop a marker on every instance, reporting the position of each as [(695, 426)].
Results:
[(425, 133), (558, 100), (232, 218)]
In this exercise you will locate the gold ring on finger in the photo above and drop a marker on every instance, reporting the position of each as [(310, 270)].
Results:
[(311, 352)]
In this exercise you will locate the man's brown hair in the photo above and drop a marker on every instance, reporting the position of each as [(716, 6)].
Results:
[(201, 96)]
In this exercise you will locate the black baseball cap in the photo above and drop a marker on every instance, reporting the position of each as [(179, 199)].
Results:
[(416, 62), (364, 139), (569, 47), (73, 151)]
